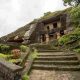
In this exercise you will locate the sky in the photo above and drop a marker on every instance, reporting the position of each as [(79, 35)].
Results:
[(17, 13)]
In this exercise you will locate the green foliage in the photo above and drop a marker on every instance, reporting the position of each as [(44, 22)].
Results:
[(3, 55), (71, 41), (25, 77), (75, 15), (72, 2), (63, 39), (14, 60), (75, 12), (48, 15), (75, 35), (23, 48), (33, 54), (77, 50), (4, 48)]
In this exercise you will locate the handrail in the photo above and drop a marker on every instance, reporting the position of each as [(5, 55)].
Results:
[(30, 62), (25, 58), (9, 70)]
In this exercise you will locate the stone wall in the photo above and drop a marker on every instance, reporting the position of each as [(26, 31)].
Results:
[(9, 71)]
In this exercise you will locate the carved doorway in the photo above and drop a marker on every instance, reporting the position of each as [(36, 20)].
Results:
[(43, 37), (61, 32)]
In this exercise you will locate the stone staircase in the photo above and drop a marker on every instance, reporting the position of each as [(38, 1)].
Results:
[(55, 60)]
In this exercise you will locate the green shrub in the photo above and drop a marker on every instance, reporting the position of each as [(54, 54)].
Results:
[(77, 50), (64, 39), (4, 48), (14, 60), (75, 35), (23, 48), (3, 55), (33, 54), (25, 77), (0, 47)]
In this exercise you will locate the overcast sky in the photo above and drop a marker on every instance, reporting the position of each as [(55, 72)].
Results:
[(17, 13)]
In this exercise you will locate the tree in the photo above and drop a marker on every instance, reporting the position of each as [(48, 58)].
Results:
[(72, 2), (75, 12), (75, 15)]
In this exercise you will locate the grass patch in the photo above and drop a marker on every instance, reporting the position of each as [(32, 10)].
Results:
[(3, 55), (23, 48), (33, 55), (14, 60), (8, 58), (77, 50), (25, 77), (73, 36)]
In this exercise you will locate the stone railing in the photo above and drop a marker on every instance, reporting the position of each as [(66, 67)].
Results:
[(9, 71), (27, 63)]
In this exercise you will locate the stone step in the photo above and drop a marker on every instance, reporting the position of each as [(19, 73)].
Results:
[(57, 62), (54, 67), (57, 58), (49, 51), (51, 54)]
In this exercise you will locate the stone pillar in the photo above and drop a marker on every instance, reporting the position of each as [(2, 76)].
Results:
[(47, 38), (58, 35), (65, 31), (41, 39), (55, 36)]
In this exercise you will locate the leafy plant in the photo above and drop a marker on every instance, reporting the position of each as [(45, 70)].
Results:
[(75, 35), (23, 48), (63, 39), (25, 77), (3, 55), (14, 60), (33, 54), (72, 2), (75, 15), (4, 48), (77, 50), (75, 11)]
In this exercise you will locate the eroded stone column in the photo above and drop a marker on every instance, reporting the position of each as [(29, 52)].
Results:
[(47, 38)]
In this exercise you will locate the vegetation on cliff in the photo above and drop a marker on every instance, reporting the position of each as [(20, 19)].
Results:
[(72, 40)]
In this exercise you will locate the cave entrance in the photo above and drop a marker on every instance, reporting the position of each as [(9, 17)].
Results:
[(61, 32), (43, 38)]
